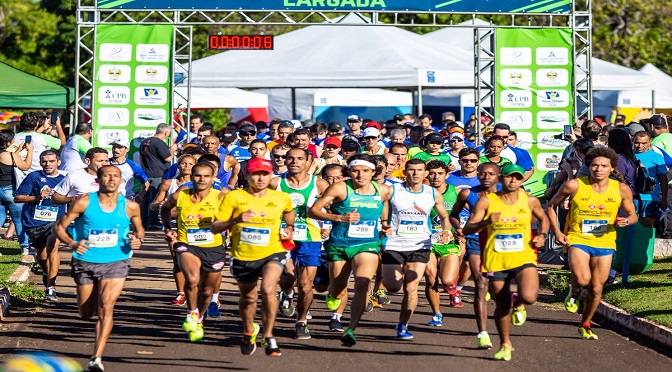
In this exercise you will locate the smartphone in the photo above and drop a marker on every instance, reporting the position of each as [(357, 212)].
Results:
[(567, 130), (54, 117), (29, 138)]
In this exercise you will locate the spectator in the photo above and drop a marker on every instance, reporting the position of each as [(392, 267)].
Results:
[(619, 141), (29, 126), (195, 123), (655, 164), (155, 158), (130, 171), (660, 131), (74, 151)]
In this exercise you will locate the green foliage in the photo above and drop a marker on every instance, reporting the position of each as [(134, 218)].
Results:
[(558, 281), (10, 258), (23, 294)]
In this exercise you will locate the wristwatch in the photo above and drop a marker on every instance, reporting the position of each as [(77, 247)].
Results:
[(545, 235)]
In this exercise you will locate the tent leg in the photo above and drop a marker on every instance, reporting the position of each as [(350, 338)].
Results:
[(419, 100), (653, 102), (293, 103)]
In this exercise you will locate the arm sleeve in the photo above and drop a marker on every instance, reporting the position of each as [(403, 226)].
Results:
[(162, 150), (523, 159), (26, 187), (138, 173), (180, 136), (51, 142), (83, 145)]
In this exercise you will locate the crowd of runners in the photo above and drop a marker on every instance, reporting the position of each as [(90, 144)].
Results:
[(372, 207)]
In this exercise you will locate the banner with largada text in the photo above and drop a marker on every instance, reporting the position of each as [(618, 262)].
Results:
[(132, 84), (534, 93), (438, 6)]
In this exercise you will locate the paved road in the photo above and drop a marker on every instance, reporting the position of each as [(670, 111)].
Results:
[(148, 334)]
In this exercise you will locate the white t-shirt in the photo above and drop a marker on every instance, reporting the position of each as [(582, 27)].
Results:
[(40, 143), (77, 183), (72, 157)]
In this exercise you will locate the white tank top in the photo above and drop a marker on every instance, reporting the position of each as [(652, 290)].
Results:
[(410, 219), (173, 187)]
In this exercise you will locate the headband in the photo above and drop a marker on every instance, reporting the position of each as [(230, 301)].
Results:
[(361, 162)]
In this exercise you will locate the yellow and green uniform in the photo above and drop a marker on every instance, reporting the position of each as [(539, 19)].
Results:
[(449, 199), (259, 238), (306, 229), (502, 161), (194, 219), (592, 215), (424, 156), (509, 240)]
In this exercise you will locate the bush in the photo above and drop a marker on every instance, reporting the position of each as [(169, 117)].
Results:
[(558, 281), (23, 294)]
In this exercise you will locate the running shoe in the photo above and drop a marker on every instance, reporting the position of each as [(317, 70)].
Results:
[(197, 334), (587, 333), (437, 321), (369, 304), (180, 300), (332, 303), (95, 365), (450, 289), (287, 307), (519, 316), (348, 338), (335, 325), (213, 310), (456, 299), (487, 296), (504, 353), (381, 297), (50, 294), (402, 332), (484, 340), (248, 344), (571, 303), (302, 332), (190, 323), (271, 346)]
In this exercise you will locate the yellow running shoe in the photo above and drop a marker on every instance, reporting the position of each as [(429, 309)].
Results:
[(197, 334), (587, 333), (487, 296), (190, 323), (484, 341), (518, 316), (504, 353), (332, 303), (571, 303)]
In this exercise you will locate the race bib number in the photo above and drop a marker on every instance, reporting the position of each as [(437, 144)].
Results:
[(362, 229), (410, 227), (103, 238), (300, 231), (200, 236), (509, 243), (463, 221), (594, 227), (45, 213), (252, 236)]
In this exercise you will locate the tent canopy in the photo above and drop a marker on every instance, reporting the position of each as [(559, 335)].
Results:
[(216, 98), (661, 85), (22, 90)]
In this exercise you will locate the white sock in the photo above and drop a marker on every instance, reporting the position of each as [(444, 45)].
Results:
[(459, 287), (193, 311), (215, 297), (482, 334), (336, 316)]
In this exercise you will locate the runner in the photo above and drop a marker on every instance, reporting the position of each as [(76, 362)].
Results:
[(200, 254), (466, 178), (101, 243), (130, 171), (590, 233), (510, 250), (488, 175), (254, 217), (81, 182), (354, 242), (303, 189), (434, 143), (445, 257), (492, 149), (39, 217), (408, 247)]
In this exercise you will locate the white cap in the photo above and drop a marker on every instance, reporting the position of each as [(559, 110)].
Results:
[(456, 135), (371, 132), (121, 142), (461, 124), (297, 124)]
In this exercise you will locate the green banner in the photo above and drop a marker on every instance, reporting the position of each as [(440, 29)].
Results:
[(533, 93), (132, 85)]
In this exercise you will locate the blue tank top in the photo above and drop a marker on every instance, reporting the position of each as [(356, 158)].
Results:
[(223, 175), (107, 232), (363, 233), (471, 201)]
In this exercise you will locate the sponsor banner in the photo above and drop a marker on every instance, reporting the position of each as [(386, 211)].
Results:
[(469, 6), (534, 93), (133, 70)]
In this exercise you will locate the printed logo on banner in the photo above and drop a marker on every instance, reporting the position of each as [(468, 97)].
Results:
[(112, 52), (515, 56), (105, 136), (548, 161), (112, 116), (552, 119), (148, 74), (552, 98), (517, 119), (114, 95), (511, 77), (551, 77), (155, 96), (141, 135), (546, 141), (525, 140), (552, 56), (114, 74), (515, 98), (152, 53), (148, 117)]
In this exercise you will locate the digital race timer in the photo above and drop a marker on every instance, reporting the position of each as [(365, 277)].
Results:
[(245, 42)]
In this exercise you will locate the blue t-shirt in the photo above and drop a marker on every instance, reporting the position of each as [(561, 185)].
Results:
[(655, 164), (240, 153), (33, 185), (460, 182), (264, 137)]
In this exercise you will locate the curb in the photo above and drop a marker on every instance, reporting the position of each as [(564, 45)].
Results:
[(643, 327), (19, 275)]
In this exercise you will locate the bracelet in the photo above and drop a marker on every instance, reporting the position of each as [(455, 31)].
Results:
[(384, 221), (289, 226)]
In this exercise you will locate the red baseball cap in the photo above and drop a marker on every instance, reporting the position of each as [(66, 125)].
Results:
[(259, 165), (373, 124), (332, 141)]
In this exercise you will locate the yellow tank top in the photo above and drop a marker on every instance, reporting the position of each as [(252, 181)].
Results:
[(194, 220), (508, 245), (591, 215)]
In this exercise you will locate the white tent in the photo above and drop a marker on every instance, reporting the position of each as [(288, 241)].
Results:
[(216, 98), (661, 85)]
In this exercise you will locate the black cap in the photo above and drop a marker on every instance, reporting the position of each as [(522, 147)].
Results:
[(228, 136), (434, 137), (247, 128), (349, 144), (335, 125), (261, 124), (398, 117)]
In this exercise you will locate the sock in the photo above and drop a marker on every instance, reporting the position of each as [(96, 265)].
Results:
[(304, 321), (482, 334), (193, 312), (336, 316), (576, 294), (585, 324), (180, 293), (200, 319), (215, 297), (459, 287)]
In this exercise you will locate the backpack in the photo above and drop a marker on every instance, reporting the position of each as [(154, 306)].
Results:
[(644, 183)]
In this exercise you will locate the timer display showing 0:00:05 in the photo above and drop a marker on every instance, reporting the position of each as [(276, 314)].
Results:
[(246, 42)]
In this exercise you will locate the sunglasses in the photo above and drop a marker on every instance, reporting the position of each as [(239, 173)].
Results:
[(435, 143), (279, 156), (472, 161), (457, 140), (248, 133), (370, 138)]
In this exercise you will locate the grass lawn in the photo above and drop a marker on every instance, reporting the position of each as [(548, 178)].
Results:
[(647, 294), (10, 259)]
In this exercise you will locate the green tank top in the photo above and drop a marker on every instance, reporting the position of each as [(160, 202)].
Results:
[(449, 199), (365, 232), (306, 229)]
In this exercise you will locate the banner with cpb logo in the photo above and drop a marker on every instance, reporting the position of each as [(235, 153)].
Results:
[(534, 93), (131, 83)]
